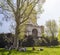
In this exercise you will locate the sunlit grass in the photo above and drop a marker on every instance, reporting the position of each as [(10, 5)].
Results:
[(46, 51)]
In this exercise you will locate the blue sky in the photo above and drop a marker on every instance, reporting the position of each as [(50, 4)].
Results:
[(6, 25), (51, 11)]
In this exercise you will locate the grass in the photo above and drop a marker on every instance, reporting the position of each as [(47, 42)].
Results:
[(46, 51)]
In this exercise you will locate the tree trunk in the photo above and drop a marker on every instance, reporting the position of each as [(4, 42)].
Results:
[(16, 40), (17, 32)]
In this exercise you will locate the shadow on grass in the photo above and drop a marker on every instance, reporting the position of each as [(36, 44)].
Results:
[(30, 52)]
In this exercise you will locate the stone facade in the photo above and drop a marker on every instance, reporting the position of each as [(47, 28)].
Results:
[(35, 30)]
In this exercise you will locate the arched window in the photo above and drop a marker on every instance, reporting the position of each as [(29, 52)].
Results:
[(34, 32)]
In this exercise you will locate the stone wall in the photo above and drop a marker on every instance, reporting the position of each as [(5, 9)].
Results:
[(30, 27)]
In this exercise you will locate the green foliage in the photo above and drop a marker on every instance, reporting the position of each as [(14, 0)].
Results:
[(59, 34), (22, 31), (47, 41)]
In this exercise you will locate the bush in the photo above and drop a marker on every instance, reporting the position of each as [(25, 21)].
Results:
[(29, 41), (2, 42), (54, 42)]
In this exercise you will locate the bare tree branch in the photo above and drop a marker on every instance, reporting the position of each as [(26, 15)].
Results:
[(27, 17), (11, 5), (27, 7)]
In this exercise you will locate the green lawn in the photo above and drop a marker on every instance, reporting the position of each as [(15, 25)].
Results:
[(46, 51)]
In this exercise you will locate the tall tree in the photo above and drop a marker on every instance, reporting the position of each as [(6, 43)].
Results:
[(51, 27), (18, 10)]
